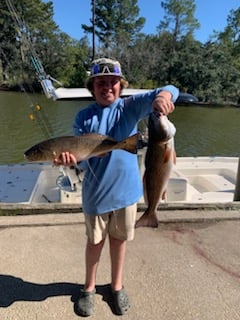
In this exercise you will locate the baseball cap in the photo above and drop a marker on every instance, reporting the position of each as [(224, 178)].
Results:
[(105, 67)]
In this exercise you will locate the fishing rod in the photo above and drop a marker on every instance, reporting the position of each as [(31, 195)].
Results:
[(44, 78), (37, 112)]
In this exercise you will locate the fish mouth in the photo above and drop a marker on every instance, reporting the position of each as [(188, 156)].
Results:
[(161, 127)]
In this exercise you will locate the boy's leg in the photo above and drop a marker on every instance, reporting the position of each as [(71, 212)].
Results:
[(117, 253), (92, 257)]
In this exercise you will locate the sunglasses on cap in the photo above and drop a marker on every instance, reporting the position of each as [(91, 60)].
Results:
[(106, 67)]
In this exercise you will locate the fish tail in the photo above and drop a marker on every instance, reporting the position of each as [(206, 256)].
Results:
[(130, 144), (147, 220)]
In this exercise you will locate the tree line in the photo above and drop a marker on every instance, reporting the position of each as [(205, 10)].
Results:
[(210, 71)]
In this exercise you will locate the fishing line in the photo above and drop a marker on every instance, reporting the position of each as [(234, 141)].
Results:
[(37, 112), (24, 35), (92, 172), (143, 133), (42, 120)]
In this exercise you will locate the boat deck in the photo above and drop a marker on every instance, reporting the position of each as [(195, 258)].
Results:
[(28, 183), (193, 180), (208, 178)]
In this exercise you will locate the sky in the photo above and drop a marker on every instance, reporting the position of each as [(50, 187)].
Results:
[(211, 14)]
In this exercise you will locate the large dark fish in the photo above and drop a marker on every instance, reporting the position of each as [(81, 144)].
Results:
[(159, 161), (82, 147)]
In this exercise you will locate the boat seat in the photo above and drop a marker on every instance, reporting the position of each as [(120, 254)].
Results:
[(211, 183), (177, 189), (69, 183)]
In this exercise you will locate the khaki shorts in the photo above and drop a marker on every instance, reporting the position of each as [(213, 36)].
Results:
[(120, 224)]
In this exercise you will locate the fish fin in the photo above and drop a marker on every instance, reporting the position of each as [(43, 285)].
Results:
[(144, 187), (164, 195), (130, 144), (168, 155), (147, 220), (102, 155), (175, 158)]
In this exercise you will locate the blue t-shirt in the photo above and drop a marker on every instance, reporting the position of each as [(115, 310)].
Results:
[(113, 182)]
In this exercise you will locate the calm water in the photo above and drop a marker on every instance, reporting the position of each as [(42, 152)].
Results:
[(201, 131)]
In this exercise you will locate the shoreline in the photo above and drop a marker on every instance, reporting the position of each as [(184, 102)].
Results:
[(37, 89)]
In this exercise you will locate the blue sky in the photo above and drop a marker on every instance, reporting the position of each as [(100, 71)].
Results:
[(211, 14)]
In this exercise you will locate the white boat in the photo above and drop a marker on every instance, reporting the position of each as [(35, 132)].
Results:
[(62, 93), (195, 181), (83, 93)]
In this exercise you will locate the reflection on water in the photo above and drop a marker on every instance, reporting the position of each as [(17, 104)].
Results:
[(207, 131), (19, 132), (201, 131)]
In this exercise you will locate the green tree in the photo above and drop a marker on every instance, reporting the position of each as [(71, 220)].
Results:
[(27, 31), (9, 53), (179, 19), (72, 69), (231, 33), (116, 24), (141, 60), (28, 28), (229, 39)]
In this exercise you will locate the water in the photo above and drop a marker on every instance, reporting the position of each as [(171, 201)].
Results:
[(207, 131), (18, 132), (201, 131)]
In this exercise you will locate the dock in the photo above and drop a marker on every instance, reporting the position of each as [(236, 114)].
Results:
[(186, 269)]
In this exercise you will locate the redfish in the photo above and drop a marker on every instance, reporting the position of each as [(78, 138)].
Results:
[(159, 161), (82, 147)]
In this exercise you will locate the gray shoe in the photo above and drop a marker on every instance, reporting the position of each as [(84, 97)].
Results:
[(120, 301), (85, 303)]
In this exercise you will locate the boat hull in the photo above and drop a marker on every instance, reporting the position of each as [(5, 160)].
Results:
[(194, 181)]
